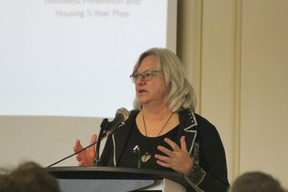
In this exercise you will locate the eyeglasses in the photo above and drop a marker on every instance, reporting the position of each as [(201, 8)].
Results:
[(146, 75)]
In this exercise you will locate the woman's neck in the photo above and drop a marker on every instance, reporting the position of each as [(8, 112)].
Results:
[(156, 113), (157, 121)]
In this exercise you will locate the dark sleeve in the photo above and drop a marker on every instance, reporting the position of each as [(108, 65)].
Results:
[(106, 157), (211, 168)]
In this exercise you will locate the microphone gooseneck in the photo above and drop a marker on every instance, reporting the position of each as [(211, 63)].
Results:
[(107, 128), (73, 154)]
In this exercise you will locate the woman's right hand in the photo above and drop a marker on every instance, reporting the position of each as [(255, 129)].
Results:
[(86, 157)]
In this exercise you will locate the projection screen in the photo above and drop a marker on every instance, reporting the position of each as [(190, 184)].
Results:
[(74, 57)]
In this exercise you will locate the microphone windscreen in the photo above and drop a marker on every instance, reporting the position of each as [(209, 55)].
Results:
[(123, 111)]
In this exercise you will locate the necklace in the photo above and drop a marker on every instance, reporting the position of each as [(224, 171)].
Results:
[(147, 155)]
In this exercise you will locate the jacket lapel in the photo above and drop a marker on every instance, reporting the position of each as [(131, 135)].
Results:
[(189, 124)]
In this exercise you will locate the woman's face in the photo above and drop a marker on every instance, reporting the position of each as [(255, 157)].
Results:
[(154, 91)]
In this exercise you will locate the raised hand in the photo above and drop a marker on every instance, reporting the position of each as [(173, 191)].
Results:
[(86, 157), (177, 159)]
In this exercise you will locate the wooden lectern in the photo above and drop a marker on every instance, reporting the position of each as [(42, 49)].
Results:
[(114, 179)]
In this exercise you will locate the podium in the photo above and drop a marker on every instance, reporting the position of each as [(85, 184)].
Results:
[(116, 179)]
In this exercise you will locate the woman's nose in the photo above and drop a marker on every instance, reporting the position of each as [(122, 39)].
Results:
[(140, 80)]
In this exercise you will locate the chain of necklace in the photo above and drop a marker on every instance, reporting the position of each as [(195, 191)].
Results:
[(147, 156)]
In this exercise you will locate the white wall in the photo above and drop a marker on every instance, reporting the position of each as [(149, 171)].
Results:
[(239, 69), (43, 139), (264, 105)]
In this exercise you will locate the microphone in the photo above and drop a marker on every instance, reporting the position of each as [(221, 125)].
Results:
[(107, 128), (121, 115)]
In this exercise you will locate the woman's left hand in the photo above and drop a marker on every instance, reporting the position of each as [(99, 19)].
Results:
[(178, 159)]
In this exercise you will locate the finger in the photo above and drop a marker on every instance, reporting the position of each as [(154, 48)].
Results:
[(172, 144), (93, 138), (75, 149), (77, 146), (77, 143), (162, 158), (183, 143), (78, 157), (93, 141), (163, 164), (165, 151)]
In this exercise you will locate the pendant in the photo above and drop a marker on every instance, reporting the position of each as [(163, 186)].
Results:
[(145, 157)]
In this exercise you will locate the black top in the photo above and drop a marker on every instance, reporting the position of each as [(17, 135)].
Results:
[(129, 158)]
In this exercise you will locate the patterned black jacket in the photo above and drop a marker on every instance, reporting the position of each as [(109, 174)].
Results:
[(203, 141)]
